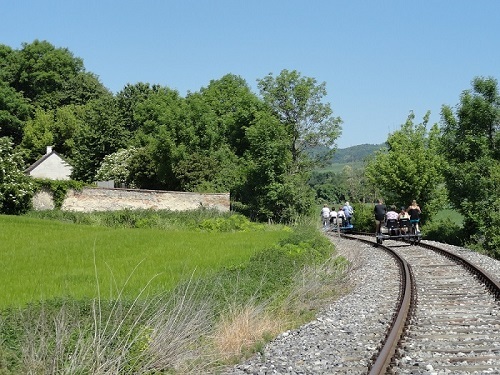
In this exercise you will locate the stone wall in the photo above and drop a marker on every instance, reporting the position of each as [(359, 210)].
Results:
[(102, 199)]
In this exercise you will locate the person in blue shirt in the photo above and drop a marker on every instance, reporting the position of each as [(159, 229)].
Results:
[(348, 212)]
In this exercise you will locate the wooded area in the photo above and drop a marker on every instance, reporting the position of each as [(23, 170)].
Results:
[(262, 148)]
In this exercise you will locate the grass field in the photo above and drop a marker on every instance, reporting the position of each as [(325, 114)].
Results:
[(43, 259), (450, 214)]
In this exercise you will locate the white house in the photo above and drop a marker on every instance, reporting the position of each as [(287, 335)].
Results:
[(51, 166)]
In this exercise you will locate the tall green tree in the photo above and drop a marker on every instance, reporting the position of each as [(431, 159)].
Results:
[(410, 167), (297, 103), (101, 133), (48, 76), (270, 191), (14, 111), (38, 134), (55, 128), (470, 143), (128, 100), (234, 107)]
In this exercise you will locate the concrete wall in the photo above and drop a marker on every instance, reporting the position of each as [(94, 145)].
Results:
[(101, 199)]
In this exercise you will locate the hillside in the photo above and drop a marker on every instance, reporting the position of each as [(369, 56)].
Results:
[(355, 154)]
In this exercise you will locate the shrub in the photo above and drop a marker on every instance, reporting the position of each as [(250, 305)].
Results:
[(16, 189), (232, 223), (443, 230), (364, 220)]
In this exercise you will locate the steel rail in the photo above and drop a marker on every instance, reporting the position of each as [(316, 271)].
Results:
[(382, 363), (491, 283), (406, 303)]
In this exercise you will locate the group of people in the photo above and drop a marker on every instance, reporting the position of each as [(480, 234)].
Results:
[(382, 214), (341, 217)]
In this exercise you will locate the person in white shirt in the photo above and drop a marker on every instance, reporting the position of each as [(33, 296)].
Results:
[(340, 216), (333, 217), (391, 214), (325, 215)]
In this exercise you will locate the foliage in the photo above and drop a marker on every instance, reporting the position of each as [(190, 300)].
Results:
[(204, 142), (201, 219), (101, 133), (58, 188), (52, 127), (296, 102), (444, 230), (230, 224), (327, 185), (115, 167), (470, 144), (16, 188), (269, 273), (14, 111), (363, 220), (410, 168), (49, 77)]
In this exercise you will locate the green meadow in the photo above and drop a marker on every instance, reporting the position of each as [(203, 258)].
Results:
[(45, 259)]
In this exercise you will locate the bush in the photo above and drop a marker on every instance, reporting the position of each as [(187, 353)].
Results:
[(364, 220), (444, 230), (269, 273), (160, 219), (16, 189), (232, 223)]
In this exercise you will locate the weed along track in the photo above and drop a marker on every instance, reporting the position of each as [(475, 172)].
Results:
[(452, 322)]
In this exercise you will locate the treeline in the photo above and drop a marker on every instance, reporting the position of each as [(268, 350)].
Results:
[(262, 148), (221, 138), (454, 164)]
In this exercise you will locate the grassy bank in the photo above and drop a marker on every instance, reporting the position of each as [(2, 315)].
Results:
[(45, 259), (247, 284)]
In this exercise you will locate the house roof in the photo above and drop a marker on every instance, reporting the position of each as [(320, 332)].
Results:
[(42, 159)]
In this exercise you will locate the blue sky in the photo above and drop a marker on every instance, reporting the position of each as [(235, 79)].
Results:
[(379, 59)]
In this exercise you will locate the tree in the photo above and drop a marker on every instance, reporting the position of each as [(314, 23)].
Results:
[(296, 101), (128, 100), (410, 167), (116, 167), (38, 134), (270, 191), (101, 133), (48, 76), (470, 144), (232, 107), (55, 128), (14, 111), (16, 188)]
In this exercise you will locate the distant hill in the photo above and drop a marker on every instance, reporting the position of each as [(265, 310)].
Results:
[(355, 154)]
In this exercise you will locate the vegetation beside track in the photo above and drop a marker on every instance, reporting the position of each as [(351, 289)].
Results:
[(225, 309)]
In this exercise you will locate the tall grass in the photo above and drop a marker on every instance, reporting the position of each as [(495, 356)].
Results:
[(43, 259), (203, 323)]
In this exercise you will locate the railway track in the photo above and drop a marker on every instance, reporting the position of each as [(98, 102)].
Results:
[(448, 318)]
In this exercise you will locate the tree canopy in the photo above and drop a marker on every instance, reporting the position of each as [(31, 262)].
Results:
[(297, 103), (410, 167), (220, 138), (470, 143)]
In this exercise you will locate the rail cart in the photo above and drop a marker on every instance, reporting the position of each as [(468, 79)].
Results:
[(401, 229)]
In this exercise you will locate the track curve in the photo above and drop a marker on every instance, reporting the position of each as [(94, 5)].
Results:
[(454, 324)]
